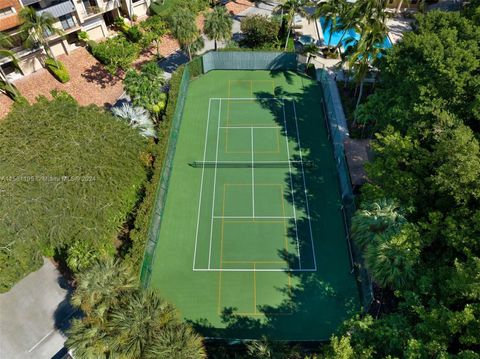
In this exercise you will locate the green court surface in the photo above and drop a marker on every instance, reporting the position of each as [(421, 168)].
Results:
[(252, 239)]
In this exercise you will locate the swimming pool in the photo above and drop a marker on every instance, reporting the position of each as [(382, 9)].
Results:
[(350, 33)]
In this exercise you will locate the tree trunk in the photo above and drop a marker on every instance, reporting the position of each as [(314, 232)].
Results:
[(399, 7), (289, 26), (358, 103), (215, 42), (189, 52)]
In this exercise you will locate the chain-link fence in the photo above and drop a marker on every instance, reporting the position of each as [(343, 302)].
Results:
[(337, 133), (162, 189), (249, 60)]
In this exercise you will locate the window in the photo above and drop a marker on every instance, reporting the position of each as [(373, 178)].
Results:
[(67, 21), (7, 11)]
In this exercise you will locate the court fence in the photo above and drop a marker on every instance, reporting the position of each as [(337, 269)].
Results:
[(337, 133), (162, 188)]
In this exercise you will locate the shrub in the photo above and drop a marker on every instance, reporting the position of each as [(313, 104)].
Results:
[(136, 117), (69, 180), (260, 31), (83, 36), (57, 69), (121, 24), (116, 53), (133, 34), (146, 88)]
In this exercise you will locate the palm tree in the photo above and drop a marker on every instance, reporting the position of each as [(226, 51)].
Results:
[(289, 8), (309, 50), (366, 52), (377, 218), (184, 29), (391, 259), (36, 29), (218, 25), (330, 12), (267, 349), (5, 85), (102, 286)]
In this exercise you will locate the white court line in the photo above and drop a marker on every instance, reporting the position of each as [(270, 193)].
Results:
[(304, 185), (250, 217), (248, 127), (253, 178), (254, 270), (291, 187), (201, 185), (214, 185), (251, 98)]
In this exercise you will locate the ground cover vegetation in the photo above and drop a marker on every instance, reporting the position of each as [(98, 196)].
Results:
[(70, 177)]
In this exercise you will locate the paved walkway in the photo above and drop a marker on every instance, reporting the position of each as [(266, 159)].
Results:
[(32, 315)]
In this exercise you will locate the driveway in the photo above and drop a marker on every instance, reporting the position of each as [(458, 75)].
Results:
[(33, 314)]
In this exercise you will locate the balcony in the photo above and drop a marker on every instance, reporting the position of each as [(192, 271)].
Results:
[(101, 7), (58, 10)]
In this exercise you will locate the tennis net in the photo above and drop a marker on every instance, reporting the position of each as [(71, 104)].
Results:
[(250, 164)]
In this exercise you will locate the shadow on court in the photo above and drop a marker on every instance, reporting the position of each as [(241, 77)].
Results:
[(311, 299)]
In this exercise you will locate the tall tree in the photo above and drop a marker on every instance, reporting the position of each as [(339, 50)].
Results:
[(37, 29), (184, 29), (218, 25), (6, 86), (289, 8)]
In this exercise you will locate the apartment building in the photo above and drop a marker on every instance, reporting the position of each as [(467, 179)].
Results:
[(95, 17)]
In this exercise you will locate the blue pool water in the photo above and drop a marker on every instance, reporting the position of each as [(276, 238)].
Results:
[(350, 33)]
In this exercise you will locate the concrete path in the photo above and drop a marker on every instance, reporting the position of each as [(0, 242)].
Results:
[(33, 314)]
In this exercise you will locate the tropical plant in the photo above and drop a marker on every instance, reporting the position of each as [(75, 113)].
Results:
[(123, 321), (146, 88), (289, 8), (384, 217), (184, 29), (391, 259), (154, 28), (82, 155), (6, 86), (365, 52), (266, 349), (137, 117), (218, 25), (330, 11), (37, 29)]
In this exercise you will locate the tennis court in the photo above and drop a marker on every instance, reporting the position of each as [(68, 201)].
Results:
[(252, 238)]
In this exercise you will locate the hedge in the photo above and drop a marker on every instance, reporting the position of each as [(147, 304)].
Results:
[(57, 69), (139, 235)]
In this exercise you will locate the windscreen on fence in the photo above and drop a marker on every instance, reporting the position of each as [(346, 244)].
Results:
[(249, 60), (338, 131), (161, 195)]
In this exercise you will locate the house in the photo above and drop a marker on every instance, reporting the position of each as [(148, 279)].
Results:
[(95, 17)]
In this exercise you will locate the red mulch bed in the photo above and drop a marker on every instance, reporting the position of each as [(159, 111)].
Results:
[(89, 82), (238, 6)]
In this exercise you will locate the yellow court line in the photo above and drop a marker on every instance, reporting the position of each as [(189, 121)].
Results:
[(254, 289)]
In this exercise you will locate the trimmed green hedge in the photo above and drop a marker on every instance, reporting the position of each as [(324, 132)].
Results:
[(139, 235), (57, 69), (70, 177)]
